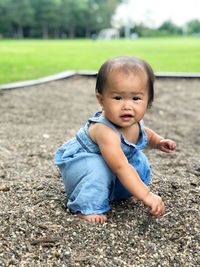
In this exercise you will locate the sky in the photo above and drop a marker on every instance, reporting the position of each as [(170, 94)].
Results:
[(154, 12)]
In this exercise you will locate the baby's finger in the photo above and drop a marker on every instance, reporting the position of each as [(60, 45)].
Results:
[(154, 211), (158, 210), (171, 145)]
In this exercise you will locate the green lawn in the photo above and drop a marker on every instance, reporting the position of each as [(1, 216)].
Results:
[(29, 59)]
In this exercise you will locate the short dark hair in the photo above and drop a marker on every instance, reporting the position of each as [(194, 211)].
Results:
[(126, 63)]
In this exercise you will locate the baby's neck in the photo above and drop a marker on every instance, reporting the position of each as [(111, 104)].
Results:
[(131, 133)]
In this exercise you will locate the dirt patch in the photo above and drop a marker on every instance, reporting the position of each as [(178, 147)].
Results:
[(35, 228)]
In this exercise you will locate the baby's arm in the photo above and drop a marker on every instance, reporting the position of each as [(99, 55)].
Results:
[(110, 146), (156, 141)]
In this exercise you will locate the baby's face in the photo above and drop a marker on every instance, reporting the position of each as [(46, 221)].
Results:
[(125, 98)]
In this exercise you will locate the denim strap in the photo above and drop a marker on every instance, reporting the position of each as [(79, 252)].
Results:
[(82, 144)]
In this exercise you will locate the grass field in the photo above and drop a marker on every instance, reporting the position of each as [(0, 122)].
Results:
[(29, 59)]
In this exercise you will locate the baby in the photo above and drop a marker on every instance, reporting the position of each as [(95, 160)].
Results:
[(104, 161)]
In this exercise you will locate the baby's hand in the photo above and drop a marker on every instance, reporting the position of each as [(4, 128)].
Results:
[(157, 206), (166, 145)]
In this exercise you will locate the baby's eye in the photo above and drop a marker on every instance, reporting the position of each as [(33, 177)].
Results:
[(117, 97), (136, 98)]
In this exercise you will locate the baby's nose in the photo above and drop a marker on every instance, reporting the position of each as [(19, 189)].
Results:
[(126, 105)]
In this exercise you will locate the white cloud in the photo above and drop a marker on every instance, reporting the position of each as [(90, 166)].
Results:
[(154, 12)]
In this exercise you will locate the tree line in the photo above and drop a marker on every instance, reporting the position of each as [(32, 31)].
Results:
[(167, 28), (54, 18), (73, 18)]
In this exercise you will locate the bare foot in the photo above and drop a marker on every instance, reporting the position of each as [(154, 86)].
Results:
[(94, 218)]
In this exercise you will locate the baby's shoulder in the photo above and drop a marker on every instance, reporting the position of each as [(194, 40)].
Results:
[(98, 126), (99, 129)]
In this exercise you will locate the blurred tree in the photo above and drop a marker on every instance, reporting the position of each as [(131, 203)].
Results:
[(106, 10), (91, 11), (55, 18), (46, 16), (193, 26), (5, 19), (70, 15), (86, 16), (169, 28), (18, 14), (142, 30)]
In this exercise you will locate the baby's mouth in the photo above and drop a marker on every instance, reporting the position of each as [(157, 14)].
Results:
[(126, 117)]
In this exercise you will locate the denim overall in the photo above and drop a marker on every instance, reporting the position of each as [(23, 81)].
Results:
[(90, 184)]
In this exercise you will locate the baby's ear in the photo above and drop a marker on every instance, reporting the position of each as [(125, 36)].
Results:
[(99, 98)]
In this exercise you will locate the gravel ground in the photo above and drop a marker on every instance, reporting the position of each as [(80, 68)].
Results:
[(35, 227)]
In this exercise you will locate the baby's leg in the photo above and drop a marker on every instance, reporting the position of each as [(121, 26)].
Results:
[(88, 183), (141, 164)]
